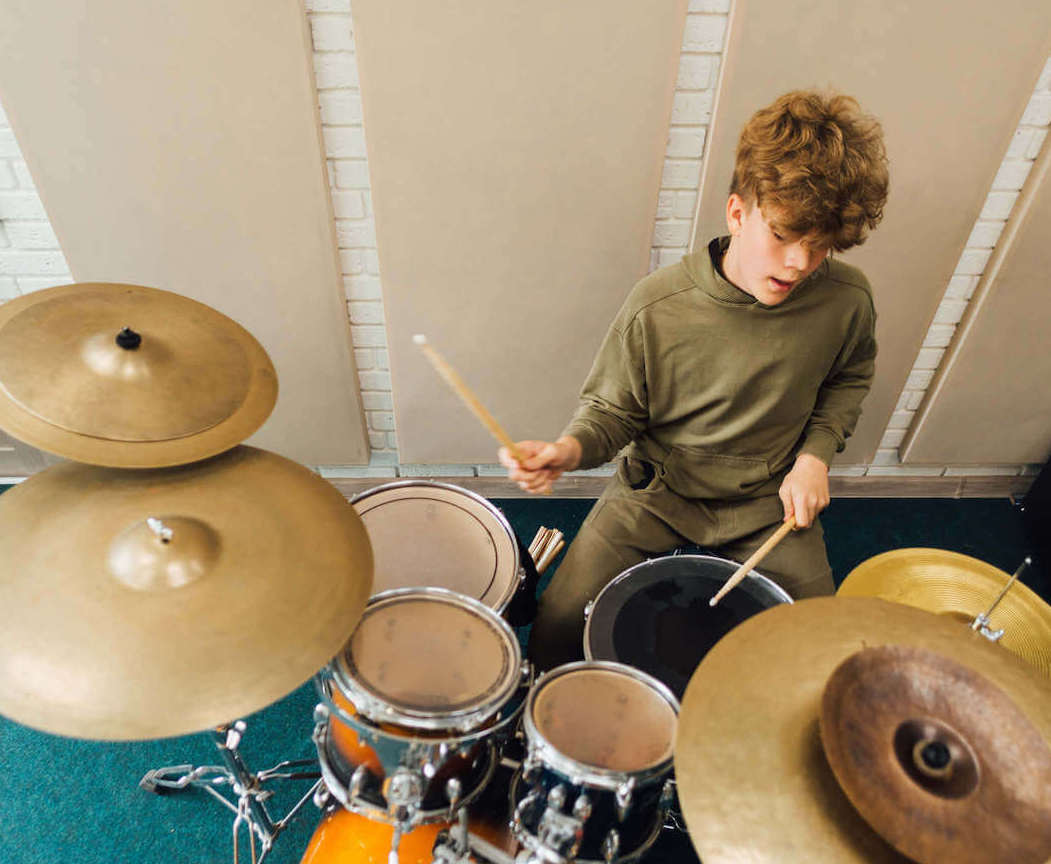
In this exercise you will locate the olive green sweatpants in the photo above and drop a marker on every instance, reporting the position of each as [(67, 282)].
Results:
[(622, 530)]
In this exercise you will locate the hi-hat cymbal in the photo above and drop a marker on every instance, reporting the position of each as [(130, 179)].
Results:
[(960, 587), (924, 746), (753, 780), (143, 604), (128, 376)]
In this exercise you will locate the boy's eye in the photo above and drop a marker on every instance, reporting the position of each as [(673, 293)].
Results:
[(779, 237)]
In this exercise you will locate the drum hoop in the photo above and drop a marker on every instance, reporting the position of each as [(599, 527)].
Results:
[(580, 773), (509, 590), (372, 705), (609, 587)]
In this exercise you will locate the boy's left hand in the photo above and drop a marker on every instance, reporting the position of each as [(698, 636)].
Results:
[(804, 491)]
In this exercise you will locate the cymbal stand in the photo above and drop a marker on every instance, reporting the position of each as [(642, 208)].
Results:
[(249, 807), (981, 621)]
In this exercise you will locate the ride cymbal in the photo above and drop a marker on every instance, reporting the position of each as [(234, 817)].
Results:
[(937, 758), (143, 604), (753, 780), (960, 587), (128, 376)]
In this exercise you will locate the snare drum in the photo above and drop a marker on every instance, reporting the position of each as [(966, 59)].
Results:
[(655, 616), (414, 707), (596, 781), (425, 533)]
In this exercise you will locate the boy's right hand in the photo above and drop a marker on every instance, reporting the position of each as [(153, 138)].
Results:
[(543, 462)]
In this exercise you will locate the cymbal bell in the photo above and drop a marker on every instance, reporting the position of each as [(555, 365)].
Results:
[(937, 758), (128, 376), (960, 587), (143, 604), (753, 780)]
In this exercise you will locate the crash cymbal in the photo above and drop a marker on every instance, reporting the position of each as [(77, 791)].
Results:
[(937, 758), (753, 780), (142, 604), (959, 587), (181, 383)]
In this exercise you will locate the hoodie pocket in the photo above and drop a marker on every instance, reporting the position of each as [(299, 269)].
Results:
[(695, 472)]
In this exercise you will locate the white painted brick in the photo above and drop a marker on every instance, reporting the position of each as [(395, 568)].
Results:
[(382, 360), (1044, 82), (28, 284), (350, 173), (928, 358), (1037, 143), (900, 420), (654, 260), (892, 438), (686, 143), (8, 144), (15, 262), (847, 470), (375, 381), (1038, 111), (356, 472), (340, 107), (366, 200), (31, 234), (919, 380), (336, 71), (348, 205), (983, 470), (392, 441), (680, 174), (903, 401), (709, 6), (21, 205), (972, 262), (1020, 142), (331, 32), (939, 336), (383, 459), (351, 262), (369, 336), (4, 242), (696, 71), (675, 234), (327, 5), (704, 32), (669, 256), (985, 234), (7, 176), (377, 439), (363, 288), (372, 262), (905, 471), (22, 175), (492, 469), (443, 470), (355, 234), (949, 312), (998, 205), (381, 420), (961, 287), (344, 142), (685, 204), (691, 107), (886, 456), (915, 398), (1012, 174), (375, 401), (364, 358), (665, 204), (8, 288), (367, 312)]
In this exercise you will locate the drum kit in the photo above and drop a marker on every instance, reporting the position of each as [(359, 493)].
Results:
[(170, 580)]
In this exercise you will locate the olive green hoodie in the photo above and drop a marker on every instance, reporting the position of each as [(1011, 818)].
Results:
[(721, 392)]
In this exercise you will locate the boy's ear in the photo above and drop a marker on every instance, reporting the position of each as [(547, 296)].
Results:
[(735, 213)]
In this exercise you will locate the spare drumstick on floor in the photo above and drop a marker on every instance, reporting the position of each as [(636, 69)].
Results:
[(539, 541), (553, 539), (756, 557), (550, 554), (453, 379)]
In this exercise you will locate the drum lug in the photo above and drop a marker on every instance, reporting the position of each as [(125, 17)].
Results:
[(530, 767), (403, 791), (582, 808), (526, 672), (625, 794), (321, 796), (321, 713), (611, 845), (453, 790)]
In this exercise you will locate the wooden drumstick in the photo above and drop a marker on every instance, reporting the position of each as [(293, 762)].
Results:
[(464, 392), (756, 557), (549, 556)]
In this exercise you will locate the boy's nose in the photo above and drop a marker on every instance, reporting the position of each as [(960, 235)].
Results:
[(797, 257)]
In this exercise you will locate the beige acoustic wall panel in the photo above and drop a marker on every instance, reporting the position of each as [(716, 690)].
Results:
[(176, 145), (949, 81), (991, 403), (515, 152)]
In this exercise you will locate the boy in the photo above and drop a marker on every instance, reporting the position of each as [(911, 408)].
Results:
[(732, 378)]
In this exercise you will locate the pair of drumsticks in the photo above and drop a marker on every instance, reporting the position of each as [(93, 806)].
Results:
[(453, 379), (546, 545)]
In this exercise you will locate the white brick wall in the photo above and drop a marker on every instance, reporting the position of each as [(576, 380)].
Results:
[(1004, 192)]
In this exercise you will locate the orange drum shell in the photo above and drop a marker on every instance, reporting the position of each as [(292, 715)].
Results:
[(344, 837)]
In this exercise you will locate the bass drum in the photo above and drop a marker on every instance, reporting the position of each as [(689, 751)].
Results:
[(655, 616)]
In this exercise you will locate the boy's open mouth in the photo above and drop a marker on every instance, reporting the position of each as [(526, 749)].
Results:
[(780, 284)]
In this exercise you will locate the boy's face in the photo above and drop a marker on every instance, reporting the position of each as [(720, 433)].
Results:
[(765, 260)]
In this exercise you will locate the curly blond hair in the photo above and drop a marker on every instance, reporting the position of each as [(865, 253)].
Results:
[(816, 165)]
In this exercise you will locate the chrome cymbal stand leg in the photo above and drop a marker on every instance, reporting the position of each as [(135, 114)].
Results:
[(249, 806)]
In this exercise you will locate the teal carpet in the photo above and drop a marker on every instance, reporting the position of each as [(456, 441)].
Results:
[(79, 801)]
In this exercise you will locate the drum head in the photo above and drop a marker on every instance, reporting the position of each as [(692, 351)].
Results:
[(432, 534), (655, 616), (605, 718), (429, 659)]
